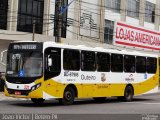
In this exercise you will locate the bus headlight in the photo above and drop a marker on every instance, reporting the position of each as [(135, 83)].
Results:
[(35, 87)]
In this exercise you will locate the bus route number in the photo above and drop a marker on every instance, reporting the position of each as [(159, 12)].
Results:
[(70, 74)]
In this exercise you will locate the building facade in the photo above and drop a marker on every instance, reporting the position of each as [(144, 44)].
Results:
[(94, 23)]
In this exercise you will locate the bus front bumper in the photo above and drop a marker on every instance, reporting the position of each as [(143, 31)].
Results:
[(24, 93)]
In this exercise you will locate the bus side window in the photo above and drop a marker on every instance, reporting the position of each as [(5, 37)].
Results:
[(88, 61), (71, 60), (129, 63), (116, 63), (52, 62), (140, 64), (151, 65), (103, 62)]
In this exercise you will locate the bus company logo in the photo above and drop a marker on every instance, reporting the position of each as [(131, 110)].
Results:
[(88, 77), (131, 75), (130, 78), (103, 77)]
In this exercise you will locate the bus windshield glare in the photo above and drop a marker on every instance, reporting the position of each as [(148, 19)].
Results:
[(28, 64)]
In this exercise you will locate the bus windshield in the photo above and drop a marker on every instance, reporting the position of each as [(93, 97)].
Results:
[(28, 64)]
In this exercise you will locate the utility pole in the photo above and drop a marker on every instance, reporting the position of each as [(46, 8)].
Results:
[(33, 36), (59, 21)]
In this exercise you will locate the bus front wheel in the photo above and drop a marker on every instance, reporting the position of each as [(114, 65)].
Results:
[(68, 96), (37, 100)]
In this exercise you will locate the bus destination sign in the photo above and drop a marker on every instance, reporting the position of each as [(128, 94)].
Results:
[(24, 47)]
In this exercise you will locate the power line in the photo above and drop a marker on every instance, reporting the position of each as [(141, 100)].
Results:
[(115, 9), (96, 40), (50, 19), (98, 29), (95, 30)]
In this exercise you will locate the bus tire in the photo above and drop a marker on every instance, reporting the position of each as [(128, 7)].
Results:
[(99, 99), (128, 94), (68, 96), (37, 101)]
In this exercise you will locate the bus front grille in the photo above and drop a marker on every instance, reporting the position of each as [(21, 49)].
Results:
[(22, 92)]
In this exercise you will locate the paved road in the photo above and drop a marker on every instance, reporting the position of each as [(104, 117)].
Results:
[(147, 104)]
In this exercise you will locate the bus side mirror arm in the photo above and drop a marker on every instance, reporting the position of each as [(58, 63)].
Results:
[(2, 57)]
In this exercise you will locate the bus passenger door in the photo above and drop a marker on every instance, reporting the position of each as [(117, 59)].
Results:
[(52, 70), (52, 62)]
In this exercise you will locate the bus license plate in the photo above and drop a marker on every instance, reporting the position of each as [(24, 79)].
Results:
[(17, 93)]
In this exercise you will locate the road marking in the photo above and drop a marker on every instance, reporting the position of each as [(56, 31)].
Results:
[(142, 103)]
